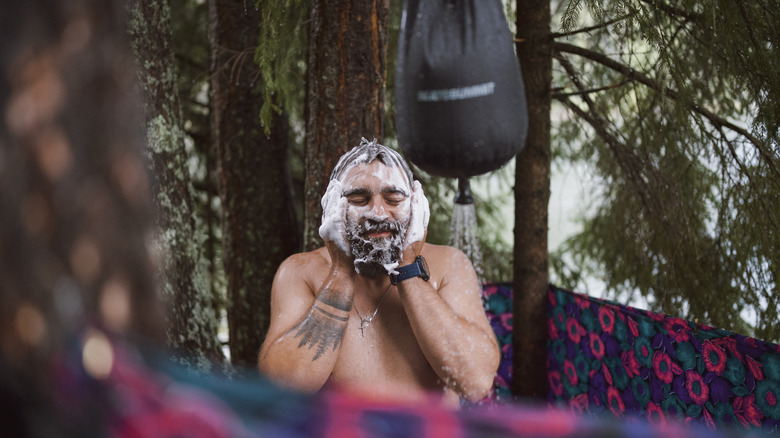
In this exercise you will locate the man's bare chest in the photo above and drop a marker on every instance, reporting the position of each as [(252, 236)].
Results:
[(384, 352)]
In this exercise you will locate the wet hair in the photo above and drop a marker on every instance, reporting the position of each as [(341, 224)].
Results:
[(367, 152)]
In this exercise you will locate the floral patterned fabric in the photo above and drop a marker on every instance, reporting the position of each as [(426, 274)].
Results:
[(608, 358), (141, 394), (497, 299)]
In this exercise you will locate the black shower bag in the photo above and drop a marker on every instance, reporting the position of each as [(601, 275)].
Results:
[(460, 101)]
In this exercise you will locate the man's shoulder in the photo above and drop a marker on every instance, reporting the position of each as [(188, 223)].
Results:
[(309, 259), (444, 259), (450, 266), (441, 251), (308, 266), (304, 269)]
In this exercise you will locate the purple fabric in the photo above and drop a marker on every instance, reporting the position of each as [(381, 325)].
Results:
[(608, 358), (145, 395)]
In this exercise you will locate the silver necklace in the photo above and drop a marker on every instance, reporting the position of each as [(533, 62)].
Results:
[(366, 322)]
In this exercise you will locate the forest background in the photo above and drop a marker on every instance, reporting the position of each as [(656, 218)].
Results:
[(670, 107)]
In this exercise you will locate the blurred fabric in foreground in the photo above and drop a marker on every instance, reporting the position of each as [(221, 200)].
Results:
[(81, 324)]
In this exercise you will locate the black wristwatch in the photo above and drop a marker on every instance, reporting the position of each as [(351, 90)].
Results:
[(417, 269)]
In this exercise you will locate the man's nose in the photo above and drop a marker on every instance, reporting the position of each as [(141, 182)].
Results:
[(377, 209)]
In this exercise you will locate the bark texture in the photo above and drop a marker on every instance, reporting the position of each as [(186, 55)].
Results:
[(259, 225), (532, 193), (345, 92), (192, 330)]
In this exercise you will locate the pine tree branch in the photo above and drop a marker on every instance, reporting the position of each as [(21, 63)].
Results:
[(748, 26), (714, 119), (591, 28), (743, 169), (671, 10), (645, 184), (557, 95), (624, 156), (649, 82)]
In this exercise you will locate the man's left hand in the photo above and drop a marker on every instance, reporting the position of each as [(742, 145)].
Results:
[(418, 226)]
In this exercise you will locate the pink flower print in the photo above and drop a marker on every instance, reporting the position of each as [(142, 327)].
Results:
[(570, 372), (657, 317), (698, 391), (655, 414), (714, 357), (755, 368), (607, 319), (552, 330), (596, 345), (729, 344), (606, 373), (665, 368), (615, 402), (579, 404), (575, 330), (678, 329), (630, 363), (582, 302), (746, 411), (556, 384), (708, 420), (506, 320), (633, 326)]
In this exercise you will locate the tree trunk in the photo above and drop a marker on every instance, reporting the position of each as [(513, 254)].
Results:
[(345, 91), (259, 223), (192, 328), (532, 193)]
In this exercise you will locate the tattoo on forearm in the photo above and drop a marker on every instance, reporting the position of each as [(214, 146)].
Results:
[(321, 329)]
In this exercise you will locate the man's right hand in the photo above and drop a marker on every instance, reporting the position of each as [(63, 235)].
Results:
[(340, 260), (333, 229)]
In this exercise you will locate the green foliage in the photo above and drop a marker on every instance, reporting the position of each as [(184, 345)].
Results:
[(281, 56), (675, 107)]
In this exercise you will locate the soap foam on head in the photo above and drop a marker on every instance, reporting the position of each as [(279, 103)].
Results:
[(334, 204)]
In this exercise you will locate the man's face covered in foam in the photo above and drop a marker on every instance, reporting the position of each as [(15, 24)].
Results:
[(378, 215)]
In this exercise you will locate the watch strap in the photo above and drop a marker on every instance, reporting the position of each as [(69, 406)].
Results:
[(417, 269)]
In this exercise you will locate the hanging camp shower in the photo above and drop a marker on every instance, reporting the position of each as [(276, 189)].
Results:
[(460, 100)]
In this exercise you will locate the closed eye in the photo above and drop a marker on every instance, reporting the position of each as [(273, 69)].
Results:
[(357, 200), (394, 195), (394, 200), (358, 196)]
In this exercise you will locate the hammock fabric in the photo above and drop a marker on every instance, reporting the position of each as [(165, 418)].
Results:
[(145, 395), (602, 358), (606, 358)]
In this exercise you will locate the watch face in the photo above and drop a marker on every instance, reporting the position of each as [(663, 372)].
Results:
[(424, 273)]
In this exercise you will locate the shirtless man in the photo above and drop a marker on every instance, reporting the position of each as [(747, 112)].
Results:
[(379, 310)]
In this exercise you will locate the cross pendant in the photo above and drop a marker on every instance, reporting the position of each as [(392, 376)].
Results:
[(364, 323)]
